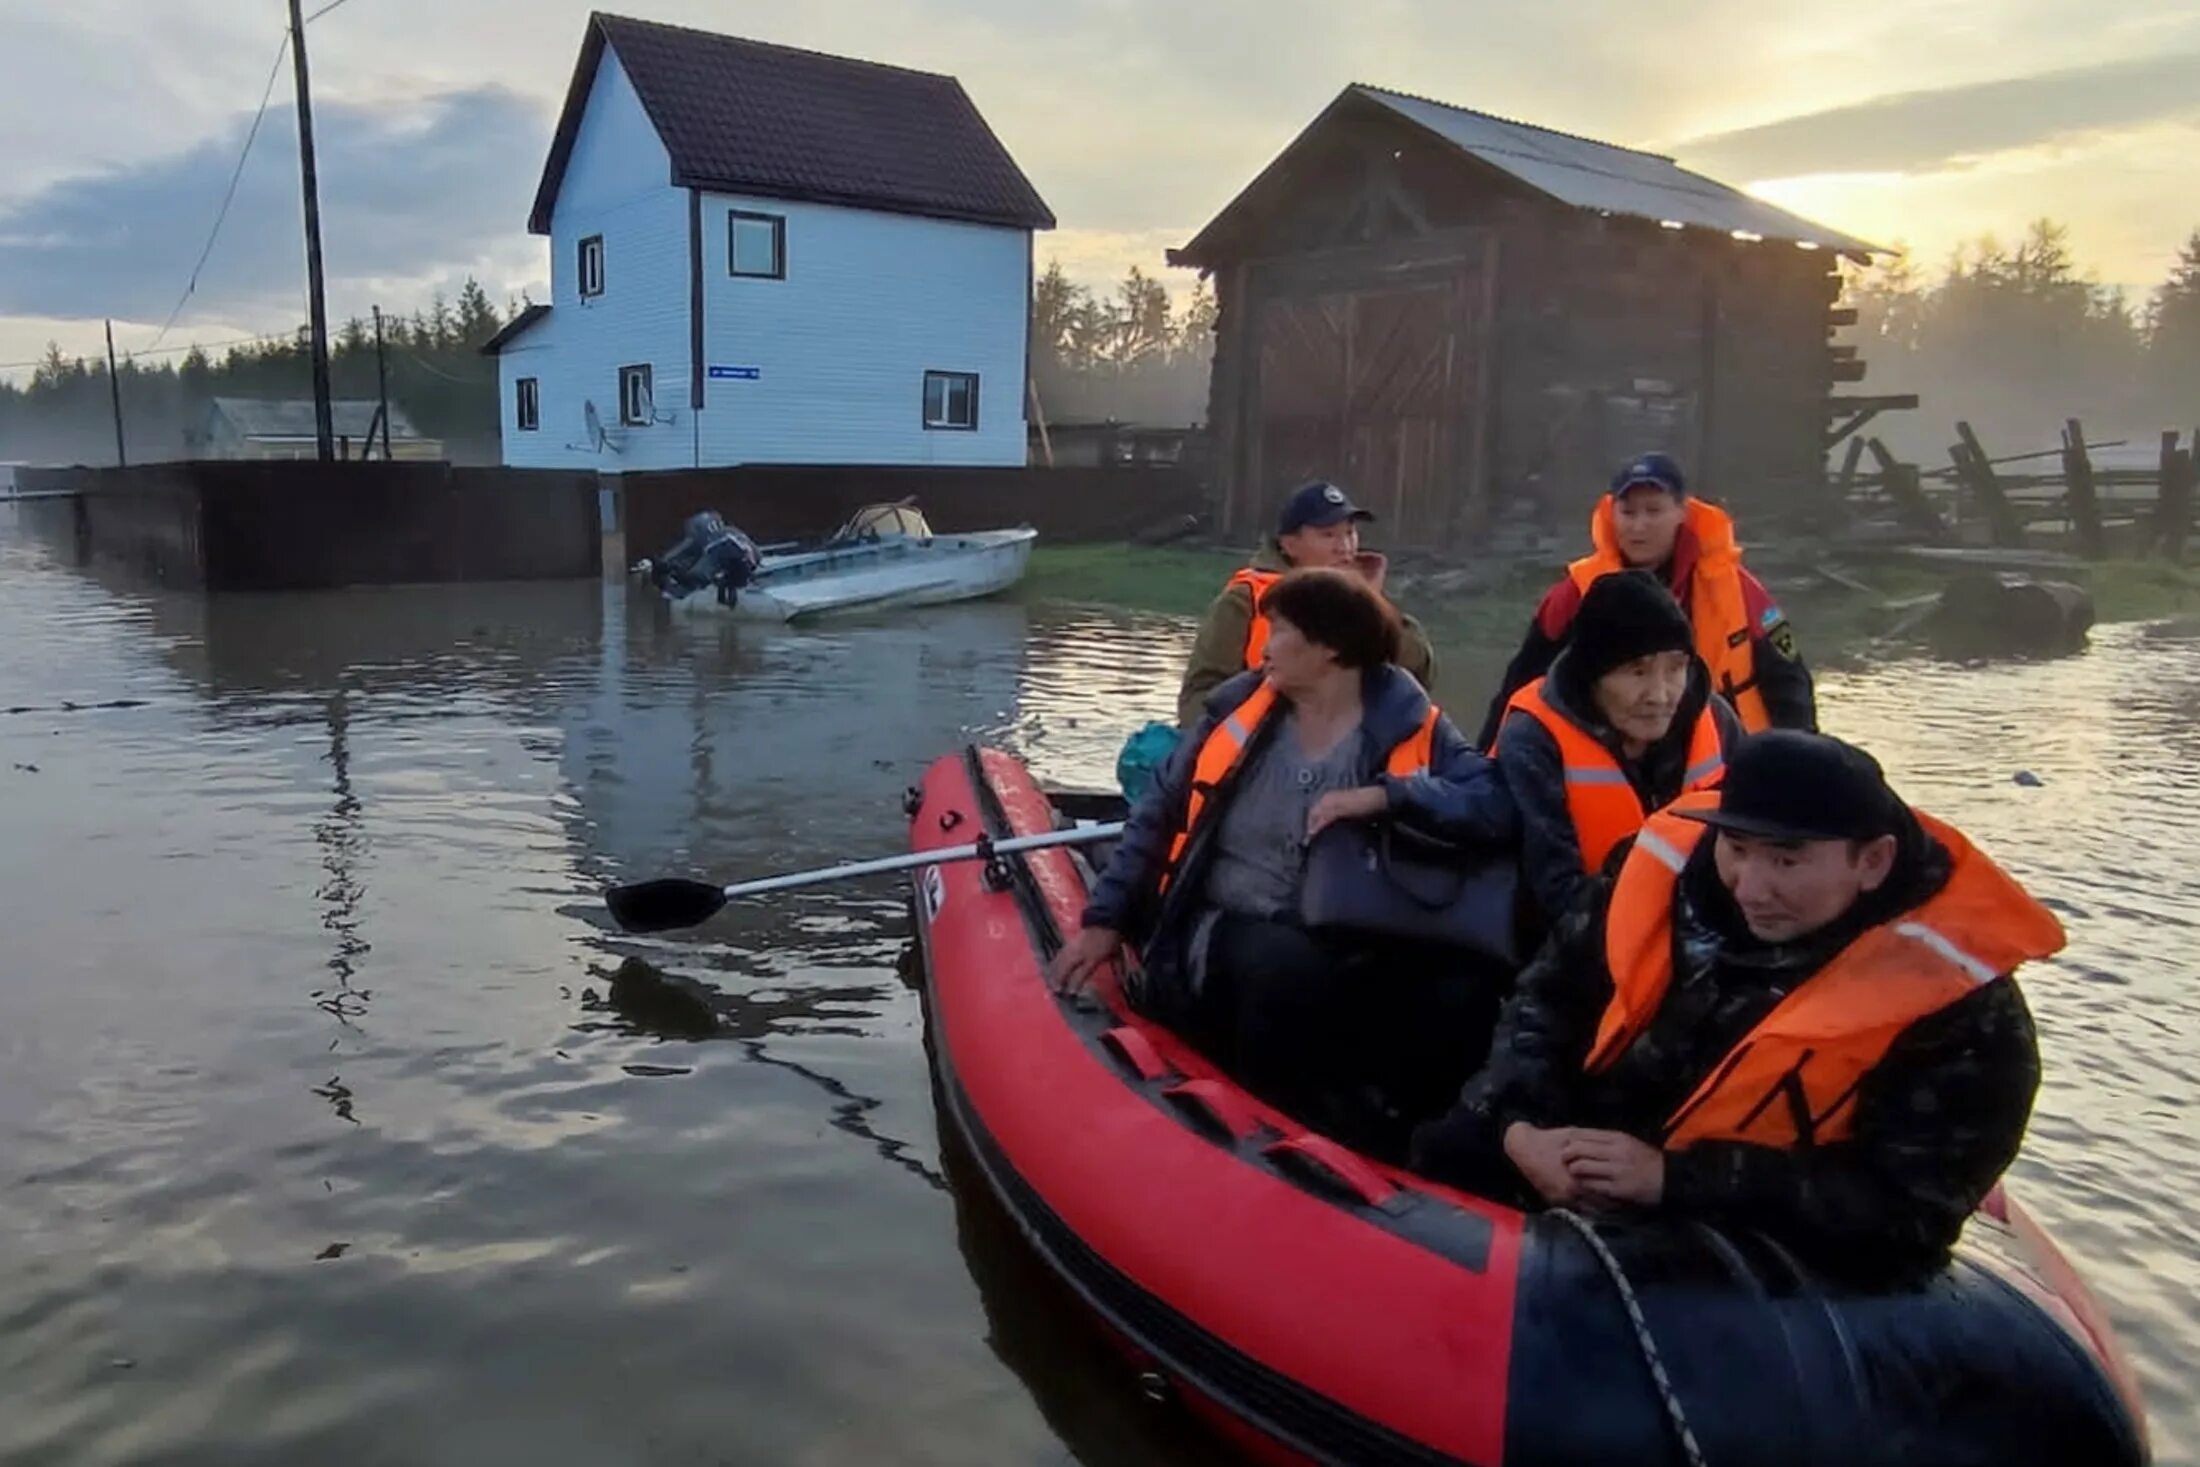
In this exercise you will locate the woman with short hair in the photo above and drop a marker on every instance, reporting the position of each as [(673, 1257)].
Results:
[(1207, 879)]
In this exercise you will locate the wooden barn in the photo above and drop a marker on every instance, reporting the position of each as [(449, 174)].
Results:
[(1449, 312)]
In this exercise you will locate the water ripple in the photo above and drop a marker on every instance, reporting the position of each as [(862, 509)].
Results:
[(311, 1145)]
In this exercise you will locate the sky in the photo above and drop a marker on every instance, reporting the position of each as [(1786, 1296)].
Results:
[(1912, 122)]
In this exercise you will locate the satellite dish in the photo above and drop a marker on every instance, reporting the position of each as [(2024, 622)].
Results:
[(598, 439)]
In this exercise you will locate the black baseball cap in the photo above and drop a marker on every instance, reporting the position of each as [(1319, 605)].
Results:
[(1319, 504), (1784, 784)]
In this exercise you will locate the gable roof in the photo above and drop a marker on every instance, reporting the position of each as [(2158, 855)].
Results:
[(262, 417), (742, 116), (525, 320), (1576, 171)]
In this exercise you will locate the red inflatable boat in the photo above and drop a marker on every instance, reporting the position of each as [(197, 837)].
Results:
[(1315, 1306)]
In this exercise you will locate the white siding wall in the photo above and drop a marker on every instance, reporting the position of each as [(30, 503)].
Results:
[(617, 184), (869, 304)]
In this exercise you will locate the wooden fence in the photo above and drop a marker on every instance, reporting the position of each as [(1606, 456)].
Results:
[(2097, 497)]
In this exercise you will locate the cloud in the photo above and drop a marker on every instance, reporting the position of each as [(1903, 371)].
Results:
[(1136, 119), (1948, 127), (421, 189)]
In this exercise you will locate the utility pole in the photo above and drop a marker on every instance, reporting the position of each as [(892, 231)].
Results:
[(114, 392), (324, 424), (381, 385)]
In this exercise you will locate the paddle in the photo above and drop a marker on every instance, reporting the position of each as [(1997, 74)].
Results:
[(671, 901)]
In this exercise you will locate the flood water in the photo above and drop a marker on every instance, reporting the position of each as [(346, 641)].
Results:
[(312, 1148)]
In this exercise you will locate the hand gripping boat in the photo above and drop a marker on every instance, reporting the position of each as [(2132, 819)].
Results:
[(1314, 1306)]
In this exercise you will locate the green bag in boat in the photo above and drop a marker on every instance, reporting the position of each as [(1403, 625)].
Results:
[(1143, 755)]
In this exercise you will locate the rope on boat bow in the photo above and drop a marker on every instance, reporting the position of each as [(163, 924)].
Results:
[(1647, 1343)]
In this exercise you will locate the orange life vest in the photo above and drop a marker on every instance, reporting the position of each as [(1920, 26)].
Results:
[(1792, 1080), (1256, 633), (1224, 750), (1716, 606), (1601, 802)]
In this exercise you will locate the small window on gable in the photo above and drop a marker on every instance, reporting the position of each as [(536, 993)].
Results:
[(757, 246), (527, 406), (951, 400), (637, 400), (591, 266)]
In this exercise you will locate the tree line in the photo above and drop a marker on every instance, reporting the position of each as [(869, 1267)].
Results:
[(2013, 338), (437, 378), (2016, 338), (1132, 355)]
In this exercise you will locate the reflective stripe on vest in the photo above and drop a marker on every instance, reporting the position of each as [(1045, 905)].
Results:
[(1793, 1079), (1717, 607), (1256, 631), (1600, 800), (1224, 750)]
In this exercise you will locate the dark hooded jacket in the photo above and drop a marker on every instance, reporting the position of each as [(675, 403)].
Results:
[(1936, 1121), (1528, 758), (1460, 799)]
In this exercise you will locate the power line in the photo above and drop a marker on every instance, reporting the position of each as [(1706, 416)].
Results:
[(230, 196), (439, 372), (221, 215), (169, 351)]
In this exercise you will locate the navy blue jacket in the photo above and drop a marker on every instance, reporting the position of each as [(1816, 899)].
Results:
[(1535, 773), (1460, 799)]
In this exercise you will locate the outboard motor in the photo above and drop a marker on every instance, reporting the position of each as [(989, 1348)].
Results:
[(710, 552)]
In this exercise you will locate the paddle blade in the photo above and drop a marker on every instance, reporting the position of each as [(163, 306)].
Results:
[(664, 904)]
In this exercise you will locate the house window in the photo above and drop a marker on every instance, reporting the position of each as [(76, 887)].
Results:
[(951, 400), (528, 404), (758, 245), (637, 401), (591, 266)]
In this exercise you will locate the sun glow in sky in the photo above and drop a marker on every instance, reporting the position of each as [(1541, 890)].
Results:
[(1913, 122)]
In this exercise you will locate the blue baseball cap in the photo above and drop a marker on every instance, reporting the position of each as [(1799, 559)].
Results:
[(1319, 504), (1651, 470)]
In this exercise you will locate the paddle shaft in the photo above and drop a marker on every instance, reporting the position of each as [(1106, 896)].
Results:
[(1082, 835)]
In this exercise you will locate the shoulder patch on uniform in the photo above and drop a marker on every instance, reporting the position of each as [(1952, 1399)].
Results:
[(1783, 640), (1770, 619)]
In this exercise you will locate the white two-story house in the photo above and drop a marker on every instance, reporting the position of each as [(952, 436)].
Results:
[(767, 255)]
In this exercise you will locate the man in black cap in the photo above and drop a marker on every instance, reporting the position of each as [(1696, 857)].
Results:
[(1650, 522), (1793, 1012), (1319, 526)]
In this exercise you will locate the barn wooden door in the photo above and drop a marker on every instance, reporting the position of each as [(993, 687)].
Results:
[(1377, 389)]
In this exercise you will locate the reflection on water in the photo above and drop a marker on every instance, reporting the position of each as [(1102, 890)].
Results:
[(324, 1134)]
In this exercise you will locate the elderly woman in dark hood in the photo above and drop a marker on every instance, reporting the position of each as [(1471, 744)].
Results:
[(1624, 723), (1208, 878)]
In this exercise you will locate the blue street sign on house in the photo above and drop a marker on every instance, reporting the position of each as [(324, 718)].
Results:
[(736, 374)]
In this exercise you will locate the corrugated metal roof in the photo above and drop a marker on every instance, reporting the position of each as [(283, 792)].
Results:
[(1608, 178), (260, 417)]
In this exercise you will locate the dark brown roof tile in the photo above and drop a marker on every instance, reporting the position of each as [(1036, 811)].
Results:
[(743, 116)]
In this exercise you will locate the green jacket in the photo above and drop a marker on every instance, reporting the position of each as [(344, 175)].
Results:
[(1218, 653)]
